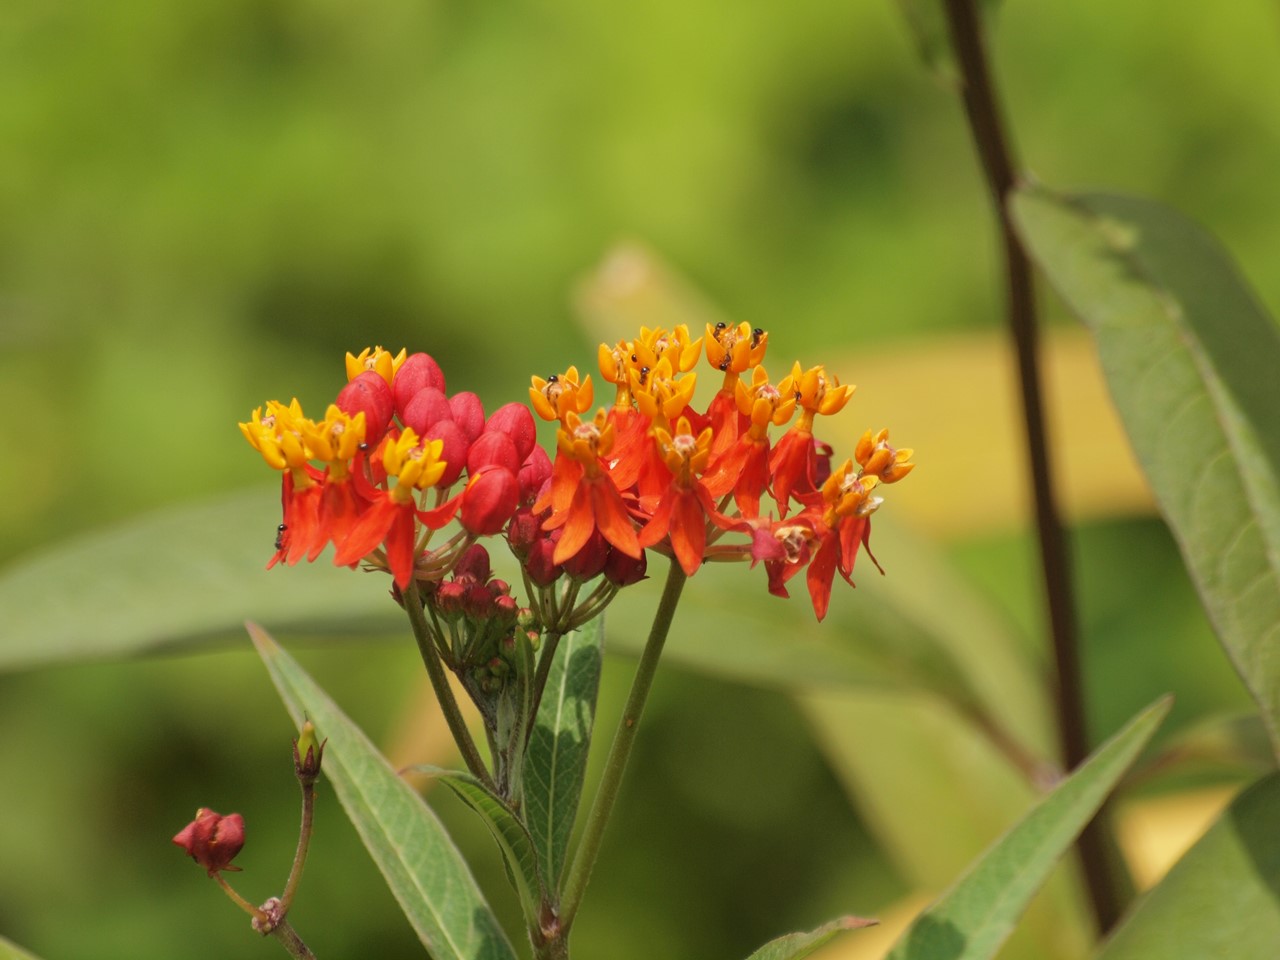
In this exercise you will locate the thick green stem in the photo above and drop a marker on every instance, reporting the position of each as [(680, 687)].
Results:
[(1105, 877), (589, 848), (440, 683)]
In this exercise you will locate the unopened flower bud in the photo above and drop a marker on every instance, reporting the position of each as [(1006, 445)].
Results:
[(477, 602), (489, 500), (540, 567), (473, 564), (454, 451), (308, 752), (506, 608), (493, 449), (212, 840), (622, 570), (418, 370), (526, 619), (515, 421), (590, 560), (523, 531), (368, 394), (425, 409), (468, 414), (448, 599), (535, 473)]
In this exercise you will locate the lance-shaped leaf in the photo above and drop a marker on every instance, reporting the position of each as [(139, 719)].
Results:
[(1191, 359), (972, 919), (423, 868), (507, 830), (11, 951), (793, 946), (556, 761), (1235, 867)]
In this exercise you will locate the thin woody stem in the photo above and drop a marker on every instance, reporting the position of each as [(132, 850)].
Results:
[(304, 843), (1105, 877), (292, 942), (589, 847), (440, 683)]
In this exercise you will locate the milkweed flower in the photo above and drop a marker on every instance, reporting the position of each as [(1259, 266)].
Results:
[(395, 459)]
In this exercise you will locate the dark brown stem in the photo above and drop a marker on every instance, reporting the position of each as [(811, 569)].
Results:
[(1108, 885)]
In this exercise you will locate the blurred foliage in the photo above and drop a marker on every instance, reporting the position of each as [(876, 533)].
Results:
[(202, 205)]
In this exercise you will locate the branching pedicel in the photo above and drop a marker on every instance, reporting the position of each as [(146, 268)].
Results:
[(395, 460)]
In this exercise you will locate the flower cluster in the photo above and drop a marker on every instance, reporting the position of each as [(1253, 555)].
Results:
[(384, 469)]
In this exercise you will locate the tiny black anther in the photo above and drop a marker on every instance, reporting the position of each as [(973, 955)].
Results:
[(724, 364)]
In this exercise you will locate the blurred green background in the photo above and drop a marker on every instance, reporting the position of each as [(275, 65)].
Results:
[(203, 205)]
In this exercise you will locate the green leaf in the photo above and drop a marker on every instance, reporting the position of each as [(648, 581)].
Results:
[(508, 832), (556, 761), (972, 919), (793, 946), (1234, 872), (1191, 360), (11, 951), (175, 577), (423, 868)]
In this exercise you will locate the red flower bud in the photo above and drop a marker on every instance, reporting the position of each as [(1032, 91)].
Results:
[(622, 570), (454, 453), (425, 409), (477, 602), (448, 599), (370, 395), (489, 500), (534, 474), (540, 567), (523, 531), (506, 607), (590, 560), (516, 421), (418, 370), (492, 449), (473, 564), (213, 840), (468, 413)]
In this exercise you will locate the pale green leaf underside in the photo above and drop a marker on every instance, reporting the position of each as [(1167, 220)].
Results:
[(793, 946), (1222, 899), (1191, 359), (507, 831), (975, 916), (11, 951), (556, 764), (423, 868)]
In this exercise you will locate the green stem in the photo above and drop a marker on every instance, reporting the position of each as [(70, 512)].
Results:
[(292, 942), (440, 683), (304, 843), (1107, 882), (589, 848)]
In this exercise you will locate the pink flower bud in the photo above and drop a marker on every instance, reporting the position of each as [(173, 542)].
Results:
[(418, 370), (448, 600), (211, 839), (370, 395), (590, 560), (516, 421), (506, 608), (499, 588), (454, 453), (489, 500), (468, 413), (473, 565), (540, 567), (492, 449), (622, 570), (425, 409), (534, 474)]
